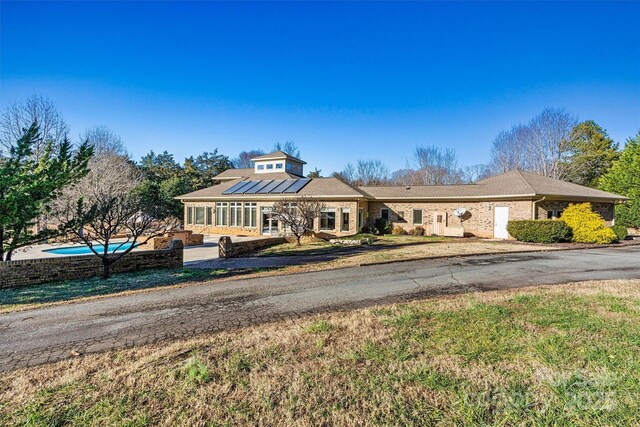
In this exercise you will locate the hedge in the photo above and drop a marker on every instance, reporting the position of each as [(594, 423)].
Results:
[(539, 231), (621, 231)]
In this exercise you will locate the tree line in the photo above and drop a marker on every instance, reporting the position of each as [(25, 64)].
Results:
[(94, 190)]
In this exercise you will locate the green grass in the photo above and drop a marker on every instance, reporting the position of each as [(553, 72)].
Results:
[(73, 289), (531, 358)]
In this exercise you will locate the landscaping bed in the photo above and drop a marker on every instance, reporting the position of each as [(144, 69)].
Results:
[(562, 355)]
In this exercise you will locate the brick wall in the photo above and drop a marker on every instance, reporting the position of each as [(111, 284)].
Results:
[(478, 220), (229, 249), (36, 271), (605, 210)]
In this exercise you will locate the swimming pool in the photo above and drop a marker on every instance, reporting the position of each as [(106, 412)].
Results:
[(82, 250)]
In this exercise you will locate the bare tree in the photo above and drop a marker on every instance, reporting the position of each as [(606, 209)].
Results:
[(288, 147), (365, 172), (244, 158), (297, 214), (104, 141), (507, 152), (17, 118), (474, 173), (541, 146), (105, 206), (435, 166)]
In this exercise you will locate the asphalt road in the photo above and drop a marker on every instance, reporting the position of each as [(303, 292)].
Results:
[(48, 334)]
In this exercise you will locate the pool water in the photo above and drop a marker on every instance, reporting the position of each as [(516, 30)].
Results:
[(82, 250)]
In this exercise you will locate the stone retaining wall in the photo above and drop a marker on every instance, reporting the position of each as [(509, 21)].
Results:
[(229, 249), (35, 271)]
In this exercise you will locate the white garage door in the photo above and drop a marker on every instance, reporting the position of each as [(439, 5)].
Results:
[(500, 219)]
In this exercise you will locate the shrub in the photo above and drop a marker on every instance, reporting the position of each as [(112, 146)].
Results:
[(418, 231), (539, 231), (398, 230), (382, 226), (621, 231), (586, 225)]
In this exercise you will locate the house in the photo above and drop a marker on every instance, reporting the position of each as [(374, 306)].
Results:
[(242, 202)]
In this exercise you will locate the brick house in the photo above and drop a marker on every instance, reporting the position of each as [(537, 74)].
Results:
[(242, 202)]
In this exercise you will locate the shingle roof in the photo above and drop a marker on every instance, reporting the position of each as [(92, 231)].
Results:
[(514, 183), (317, 187), (278, 155)]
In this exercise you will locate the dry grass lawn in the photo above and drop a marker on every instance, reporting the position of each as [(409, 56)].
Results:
[(563, 355), (389, 248), (396, 248)]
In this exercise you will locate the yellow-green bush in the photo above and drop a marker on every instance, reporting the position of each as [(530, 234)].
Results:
[(587, 226)]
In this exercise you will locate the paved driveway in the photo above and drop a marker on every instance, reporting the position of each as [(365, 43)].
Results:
[(51, 333)]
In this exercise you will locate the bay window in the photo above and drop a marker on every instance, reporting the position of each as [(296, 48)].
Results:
[(328, 219), (222, 209), (199, 215), (250, 214), (236, 214)]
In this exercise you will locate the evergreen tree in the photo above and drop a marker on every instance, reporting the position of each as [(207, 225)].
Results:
[(624, 178), (28, 186), (592, 153)]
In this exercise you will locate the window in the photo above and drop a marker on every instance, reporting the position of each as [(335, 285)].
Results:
[(189, 215), (328, 220), (384, 214), (417, 217), (345, 220), (221, 213), (200, 215), (278, 165), (236, 214), (289, 166), (270, 166), (209, 216), (250, 214), (554, 214), (260, 167)]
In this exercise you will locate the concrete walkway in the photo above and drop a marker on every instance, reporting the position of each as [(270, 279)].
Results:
[(51, 333)]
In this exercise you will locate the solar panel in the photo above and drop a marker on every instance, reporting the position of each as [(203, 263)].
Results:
[(244, 190), (234, 187), (246, 186), (297, 186), (267, 186), (270, 186), (285, 184), (260, 185)]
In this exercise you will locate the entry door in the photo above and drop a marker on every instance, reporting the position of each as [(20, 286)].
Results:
[(439, 223), (500, 219), (269, 224)]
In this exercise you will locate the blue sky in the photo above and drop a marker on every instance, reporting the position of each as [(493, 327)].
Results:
[(343, 80)]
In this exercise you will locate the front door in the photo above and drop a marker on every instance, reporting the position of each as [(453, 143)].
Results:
[(269, 224), (500, 220), (439, 223)]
